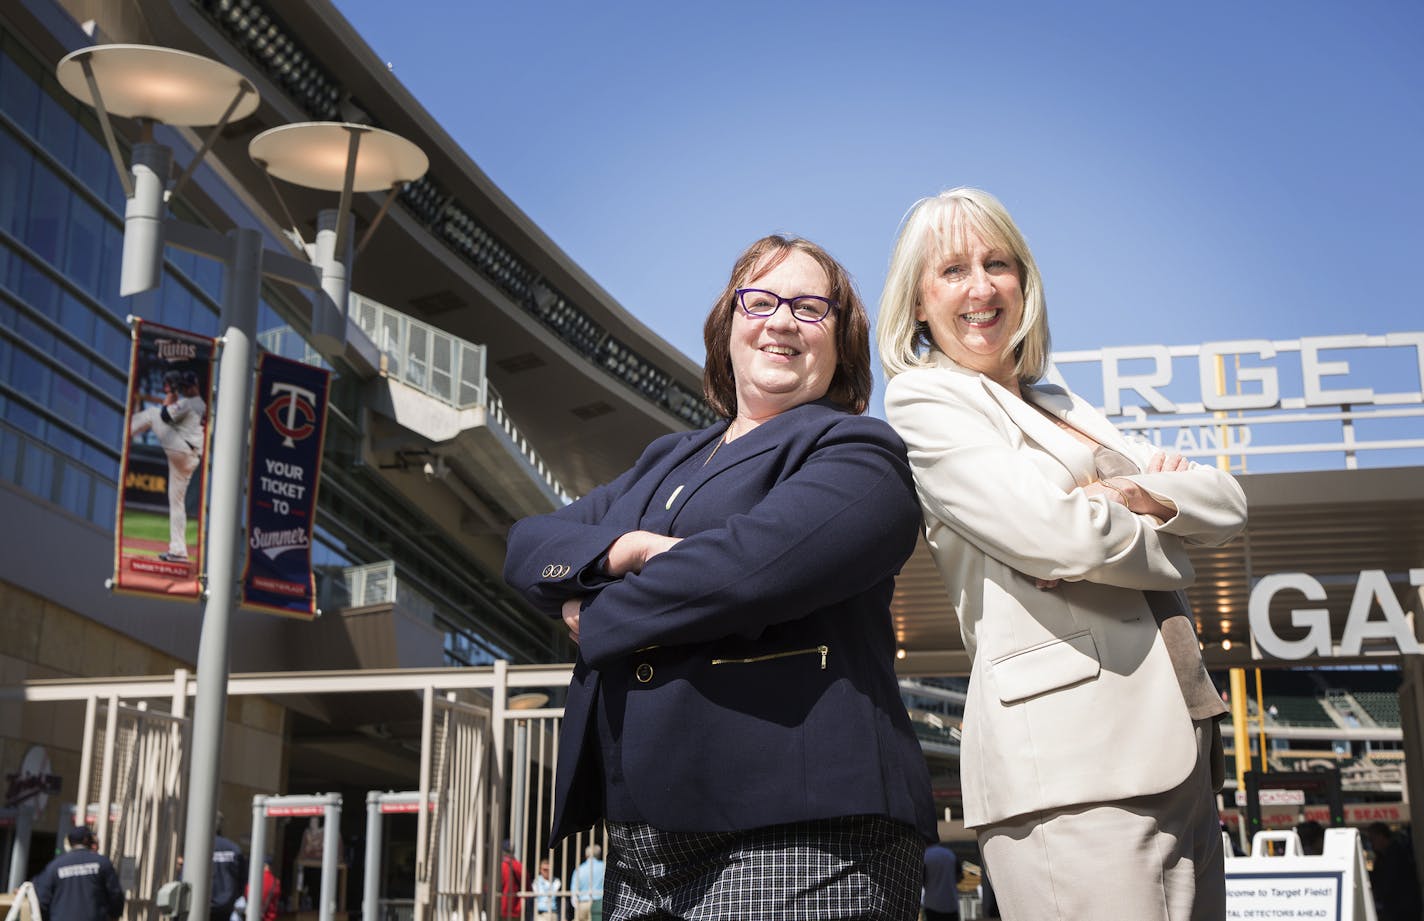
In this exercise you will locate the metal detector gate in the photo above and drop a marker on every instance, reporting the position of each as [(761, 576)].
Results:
[(132, 784), (326, 805), (1325, 784), (378, 806)]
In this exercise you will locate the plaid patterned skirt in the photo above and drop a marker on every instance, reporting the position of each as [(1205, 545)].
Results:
[(866, 868)]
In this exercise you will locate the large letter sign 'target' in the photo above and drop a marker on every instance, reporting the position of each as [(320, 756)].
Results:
[(1371, 587)]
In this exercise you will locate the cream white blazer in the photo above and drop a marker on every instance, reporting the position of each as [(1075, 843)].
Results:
[(1072, 695)]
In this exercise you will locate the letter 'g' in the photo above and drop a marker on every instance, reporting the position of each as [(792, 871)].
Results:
[(1317, 641)]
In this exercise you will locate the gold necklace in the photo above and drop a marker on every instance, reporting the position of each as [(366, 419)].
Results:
[(715, 448)]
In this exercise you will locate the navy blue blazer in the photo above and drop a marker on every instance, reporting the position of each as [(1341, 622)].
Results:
[(749, 669)]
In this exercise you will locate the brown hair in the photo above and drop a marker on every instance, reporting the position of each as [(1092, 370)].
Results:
[(850, 385)]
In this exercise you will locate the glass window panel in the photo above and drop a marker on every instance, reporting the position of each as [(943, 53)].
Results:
[(9, 454), (101, 460), (56, 129), (49, 213), (71, 359), (182, 260), (110, 268), (37, 289), (441, 352), (64, 442), (440, 385), (67, 403), (104, 422), (115, 345), (74, 490), (19, 91), (177, 307), (25, 420), (15, 165), (5, 353), (36, 469), (83, 249), (76, 317), (208, 273), (29, 376), (35, 335), (104, 504), (416, 356), (92, 163), (204, 321)]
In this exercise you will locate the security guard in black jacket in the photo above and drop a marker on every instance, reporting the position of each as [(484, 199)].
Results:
[(80, 885)]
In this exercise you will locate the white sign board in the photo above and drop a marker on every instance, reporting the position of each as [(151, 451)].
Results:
[(1274, 797), (1332, 886), (1283, 895)]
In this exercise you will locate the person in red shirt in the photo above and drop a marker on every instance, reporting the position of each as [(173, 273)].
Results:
[(271, 893), (511, 881)]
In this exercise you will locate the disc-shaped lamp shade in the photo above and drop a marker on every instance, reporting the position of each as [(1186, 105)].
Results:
[(531, 700), (313, 154), (164, 84)]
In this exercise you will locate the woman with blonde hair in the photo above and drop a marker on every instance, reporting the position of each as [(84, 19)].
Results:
[(1091, 751)]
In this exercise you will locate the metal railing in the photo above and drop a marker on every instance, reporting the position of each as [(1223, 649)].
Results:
[(497, 415), (429, 359), (376, 583), (446, 368)]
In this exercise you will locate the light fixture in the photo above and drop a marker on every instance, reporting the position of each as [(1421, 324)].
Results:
[(336, 157), (154, 85), (531, 700), (1226, 645), (900, 653), (181, 89)]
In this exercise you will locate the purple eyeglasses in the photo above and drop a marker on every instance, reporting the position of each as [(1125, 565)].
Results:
[(807, 308)]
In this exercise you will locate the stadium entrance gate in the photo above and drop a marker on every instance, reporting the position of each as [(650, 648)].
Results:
[(132, 779)]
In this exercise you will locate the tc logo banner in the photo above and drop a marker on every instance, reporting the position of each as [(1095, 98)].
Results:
[(289, 422)]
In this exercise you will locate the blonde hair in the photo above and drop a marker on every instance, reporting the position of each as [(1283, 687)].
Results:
[(938, 225)]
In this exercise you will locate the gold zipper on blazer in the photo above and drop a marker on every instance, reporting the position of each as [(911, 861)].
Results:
[(823, 650)]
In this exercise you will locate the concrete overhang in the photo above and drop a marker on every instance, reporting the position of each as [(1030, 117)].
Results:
[(1331, 525)]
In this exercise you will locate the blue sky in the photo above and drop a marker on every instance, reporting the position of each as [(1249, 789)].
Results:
[(1183, 172)]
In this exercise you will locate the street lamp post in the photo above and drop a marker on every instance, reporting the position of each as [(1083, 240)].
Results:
[(163, 85)]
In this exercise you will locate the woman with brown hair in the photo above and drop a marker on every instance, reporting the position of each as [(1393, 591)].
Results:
[(734, 714)]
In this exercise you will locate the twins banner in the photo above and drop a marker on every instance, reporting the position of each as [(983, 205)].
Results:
[(289, 421), (163, 474)]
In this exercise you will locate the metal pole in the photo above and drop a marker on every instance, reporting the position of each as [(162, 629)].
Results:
[(241, 280), (106, 780), (371, 885), (519, 795), (86, 757), (256, 901), (422, 821), (20, 847), (332, 255), (1241, 742), (330, 857), (499, 698)]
